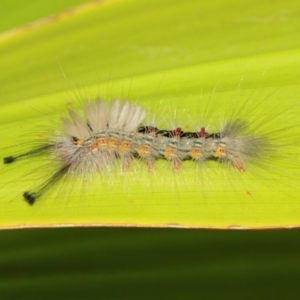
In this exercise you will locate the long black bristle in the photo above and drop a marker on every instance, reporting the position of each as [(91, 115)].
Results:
[(8, 159), (37, 151), (30, 197)]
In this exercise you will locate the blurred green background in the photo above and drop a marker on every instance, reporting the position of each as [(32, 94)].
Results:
[(112, 263), (132, 263)]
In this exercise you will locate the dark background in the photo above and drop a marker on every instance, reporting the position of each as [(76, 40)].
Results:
[(128, 263)]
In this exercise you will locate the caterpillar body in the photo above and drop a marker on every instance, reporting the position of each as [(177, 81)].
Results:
[(115, 131)]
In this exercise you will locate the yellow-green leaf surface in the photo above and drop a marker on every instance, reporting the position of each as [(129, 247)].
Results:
[(181, 60), (16, 15)]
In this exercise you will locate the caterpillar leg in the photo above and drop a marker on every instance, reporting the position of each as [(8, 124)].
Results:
[(222, 154), (173, 156)]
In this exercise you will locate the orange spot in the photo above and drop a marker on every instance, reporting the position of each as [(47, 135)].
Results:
[(124, 146), (219, 152), (144, 150), (169, 153), (101, 143), (79, 142), (112, 143), (195, 153)]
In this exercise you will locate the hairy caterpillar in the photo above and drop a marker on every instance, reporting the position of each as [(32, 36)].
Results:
[(110, 132)]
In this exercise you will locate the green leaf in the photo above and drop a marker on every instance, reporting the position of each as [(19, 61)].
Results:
[(18, 13), (168, 56), (108, 263)]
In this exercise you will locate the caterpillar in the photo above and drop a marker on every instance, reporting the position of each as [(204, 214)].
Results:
[(110, 132)]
